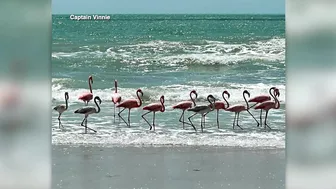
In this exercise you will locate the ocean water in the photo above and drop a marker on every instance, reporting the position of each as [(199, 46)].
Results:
[(168, 55)]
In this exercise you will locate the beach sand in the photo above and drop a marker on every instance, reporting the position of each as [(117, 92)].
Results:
[(167, 167)]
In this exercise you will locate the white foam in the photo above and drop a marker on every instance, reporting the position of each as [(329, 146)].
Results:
[(167, 52)]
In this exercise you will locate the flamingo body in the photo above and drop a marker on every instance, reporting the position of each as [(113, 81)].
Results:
[(219, 105), (260, 98), (236, 108), (129, 103), (153, 107), (183, 105), (116, 98), (266, 105), (60, 108), (86, 97)]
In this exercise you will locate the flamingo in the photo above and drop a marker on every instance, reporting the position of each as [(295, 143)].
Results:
[(87, 111), (130, 104), (261, 99), (270, 104), (221, 105), (86, 97), (62, 108), (154, 107), (116, 98), (239, 108), (203, 110), (184, 105)]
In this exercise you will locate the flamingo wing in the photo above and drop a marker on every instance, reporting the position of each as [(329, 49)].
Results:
[(267, 104), (236, 108), (59, 107), (260, 98), (183, 105), (153, 107), (85, 110), (130, 103), (198, 108), (86, 96)]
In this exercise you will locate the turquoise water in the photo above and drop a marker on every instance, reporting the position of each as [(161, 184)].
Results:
[(169, 55)]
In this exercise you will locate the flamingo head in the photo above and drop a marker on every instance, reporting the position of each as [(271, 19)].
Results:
[(193, 92), (246, 92), (66, 94), (162, 99), (90, 78), (227, 93), (98, 98), (277, 92), (139, 91)]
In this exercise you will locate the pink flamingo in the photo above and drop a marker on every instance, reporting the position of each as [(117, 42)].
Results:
[(86, 97), (130, 104), (62, 108), (154, 107), (261, 99), (184, 105), (221, 105), (239, 108), (116, 97), (270, 104), (203, 110)]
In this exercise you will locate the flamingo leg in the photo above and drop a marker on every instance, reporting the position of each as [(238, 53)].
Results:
[(86, 127), (189, 118), (260, 117), (119, 117), (253, 117), (59, 121), (114, 113), (266, 119), (217, 118), (143, 117), (154, 121), (122, 117), (253, 105), (129, 117), (182, 119), (234, 120), (237, 121), (202, 118)]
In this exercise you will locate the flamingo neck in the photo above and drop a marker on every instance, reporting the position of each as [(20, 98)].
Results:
[(192, 99), (212, 106), (66, 102), (277, 102), (90, 85), (247, 104), (162, 105), (116, 87), (97, 106), (228, 105), (140, 101)]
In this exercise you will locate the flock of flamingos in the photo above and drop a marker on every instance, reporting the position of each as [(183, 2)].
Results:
[(262, 102)]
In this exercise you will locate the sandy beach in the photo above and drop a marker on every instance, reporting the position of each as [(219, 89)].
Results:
[(81, 167)]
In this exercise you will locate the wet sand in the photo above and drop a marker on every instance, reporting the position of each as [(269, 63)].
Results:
[(167, 167)]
